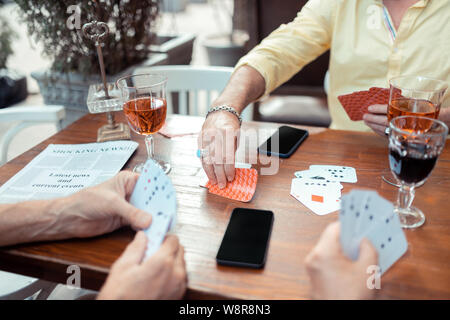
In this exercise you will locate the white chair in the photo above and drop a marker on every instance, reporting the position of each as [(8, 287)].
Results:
[(27, 116), (200, 84)]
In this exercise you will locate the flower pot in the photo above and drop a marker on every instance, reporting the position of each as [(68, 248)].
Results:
[(178, 47), (225, 49), (71, 89), (13, 87)]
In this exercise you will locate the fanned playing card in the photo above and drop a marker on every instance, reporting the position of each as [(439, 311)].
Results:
[(364, 214), (155, 194), (242, 188), (356, 104)]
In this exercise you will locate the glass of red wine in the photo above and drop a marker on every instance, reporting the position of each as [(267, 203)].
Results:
[(145, 107), (414, 96), (415, 144)]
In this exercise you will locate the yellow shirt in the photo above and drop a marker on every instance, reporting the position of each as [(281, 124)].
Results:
[(364, 54)]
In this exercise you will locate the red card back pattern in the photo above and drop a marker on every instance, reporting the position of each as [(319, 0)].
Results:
[(242, 188)]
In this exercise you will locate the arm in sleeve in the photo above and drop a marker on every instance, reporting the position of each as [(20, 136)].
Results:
[(290, 47)]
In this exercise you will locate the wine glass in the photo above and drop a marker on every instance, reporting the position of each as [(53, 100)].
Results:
[(414, 96), (145, 107), (415, 143)]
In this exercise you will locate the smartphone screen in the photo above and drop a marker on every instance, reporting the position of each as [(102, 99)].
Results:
[(246, 239), (283, 142)]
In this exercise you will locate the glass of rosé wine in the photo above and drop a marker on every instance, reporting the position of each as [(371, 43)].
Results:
[(145, 107)]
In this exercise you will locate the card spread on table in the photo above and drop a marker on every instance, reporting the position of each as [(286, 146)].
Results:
[(356, 104), (242, 188), (155, 194), (364, 214), (319, 188)]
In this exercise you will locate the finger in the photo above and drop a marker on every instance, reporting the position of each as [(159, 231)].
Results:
[(138, 219), (377, 128), (135, 251), (367, 253), (329, 239), (168, 250), (379, 120), (230, 155), (180, 264), (125, 182), (219, 170), (230, 171), (378, 108), (209, 170)]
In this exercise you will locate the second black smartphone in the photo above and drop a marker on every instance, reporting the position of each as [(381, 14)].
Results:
[(246, 239), (283, 142)]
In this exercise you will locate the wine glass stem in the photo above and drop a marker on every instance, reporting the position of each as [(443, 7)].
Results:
[(405, 197), (150, 146)]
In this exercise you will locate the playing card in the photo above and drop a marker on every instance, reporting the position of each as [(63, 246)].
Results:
[(354, 104), (315, 175), (177, 127), (338, 173), (155, 194), (242, 188), (377, 222), (318, 196), (351, 214)]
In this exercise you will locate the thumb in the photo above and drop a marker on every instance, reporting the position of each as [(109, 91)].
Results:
[(135, 251), (368, 255), (138, 219)]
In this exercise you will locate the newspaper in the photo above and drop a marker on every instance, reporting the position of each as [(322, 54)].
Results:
[(62, 169)]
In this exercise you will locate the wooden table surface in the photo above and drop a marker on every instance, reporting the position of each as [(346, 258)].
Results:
[(423, 272)]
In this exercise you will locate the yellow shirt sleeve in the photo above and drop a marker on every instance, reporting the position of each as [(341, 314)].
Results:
[(290, 47)]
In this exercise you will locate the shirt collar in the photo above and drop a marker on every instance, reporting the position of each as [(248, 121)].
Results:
[(418, 4)]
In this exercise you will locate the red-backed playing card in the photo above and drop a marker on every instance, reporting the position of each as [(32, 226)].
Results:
[(242, 188), (356, 104)]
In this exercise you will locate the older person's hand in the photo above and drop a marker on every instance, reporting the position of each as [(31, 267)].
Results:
[(162, 276), (377, 119), (219, 137), (100, 209), (333, 275)]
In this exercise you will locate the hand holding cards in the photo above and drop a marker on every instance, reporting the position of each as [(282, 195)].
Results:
[(356, 104), (155, 194), (364, 214)]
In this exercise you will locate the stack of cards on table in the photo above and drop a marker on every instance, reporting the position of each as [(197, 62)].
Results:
[(242, 188), (155, 194), (319, 188), (364, 214)]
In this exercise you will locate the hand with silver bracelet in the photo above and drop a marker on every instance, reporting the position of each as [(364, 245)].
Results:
[(218, 142)]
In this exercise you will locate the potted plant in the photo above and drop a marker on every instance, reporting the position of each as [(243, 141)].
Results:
[(226, 48), (13, 86), (57, 25)]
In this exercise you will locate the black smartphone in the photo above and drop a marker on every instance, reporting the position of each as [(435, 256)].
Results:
[(283, 142), (246, 239)]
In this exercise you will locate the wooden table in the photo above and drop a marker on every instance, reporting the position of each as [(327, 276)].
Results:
[(202, 218)]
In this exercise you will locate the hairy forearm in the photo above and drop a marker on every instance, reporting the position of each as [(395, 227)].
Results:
[(245, 86), (31, 221)]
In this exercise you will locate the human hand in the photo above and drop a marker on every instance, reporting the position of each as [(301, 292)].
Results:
[(219, 136), (162, 276), (101, 209), (376, 119), (332, 274)]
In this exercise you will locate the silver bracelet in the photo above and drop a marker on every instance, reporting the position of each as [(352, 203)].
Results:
[(227, 108)]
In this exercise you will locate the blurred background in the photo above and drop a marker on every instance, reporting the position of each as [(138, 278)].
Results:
[(177, 32), (45, 60)]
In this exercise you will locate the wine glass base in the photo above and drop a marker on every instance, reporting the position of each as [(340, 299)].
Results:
[(410, 218), (165, 166)]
